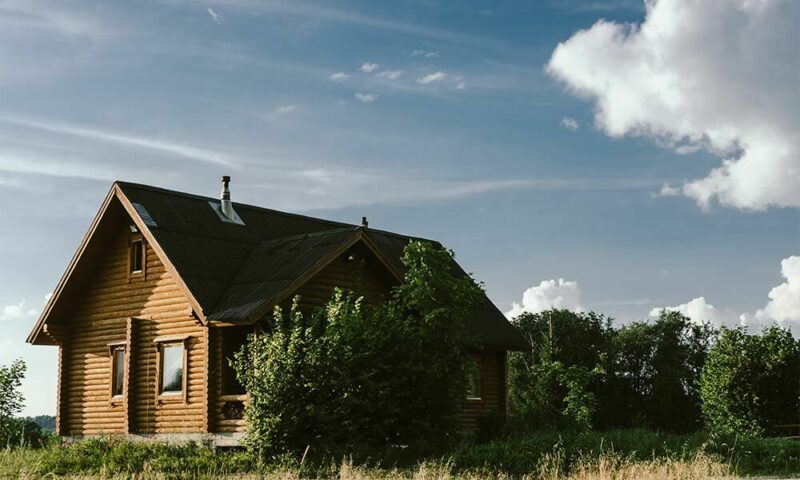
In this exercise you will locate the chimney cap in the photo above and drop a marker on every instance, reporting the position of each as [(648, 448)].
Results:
[(226, 179)]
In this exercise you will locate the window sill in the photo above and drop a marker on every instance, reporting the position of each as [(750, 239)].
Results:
[(171, 398), (474, 399), (233, 398), (116, 401)]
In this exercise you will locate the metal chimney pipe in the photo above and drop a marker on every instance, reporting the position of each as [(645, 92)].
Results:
[(226, 206)]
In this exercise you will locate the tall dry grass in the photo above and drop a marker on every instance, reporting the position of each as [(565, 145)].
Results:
[(607, 467)]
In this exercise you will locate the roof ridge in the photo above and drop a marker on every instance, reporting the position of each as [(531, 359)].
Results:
[(239, 204), (341, 225), (318, 233)]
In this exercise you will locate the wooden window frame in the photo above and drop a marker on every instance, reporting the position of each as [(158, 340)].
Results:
[(142, 273), (172, 397), (113, 347), (478, 361)]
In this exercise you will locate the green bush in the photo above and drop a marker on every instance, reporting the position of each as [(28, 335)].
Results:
[(11, 402), (751, 383), (364, 380), (109, 457), (556, 383)]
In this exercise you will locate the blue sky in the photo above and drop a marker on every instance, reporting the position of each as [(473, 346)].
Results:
[(437, 119)]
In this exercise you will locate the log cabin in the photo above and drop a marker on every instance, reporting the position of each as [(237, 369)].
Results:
[(165, 286)]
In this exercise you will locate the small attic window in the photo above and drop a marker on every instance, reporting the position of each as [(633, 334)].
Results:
[(136, 257)]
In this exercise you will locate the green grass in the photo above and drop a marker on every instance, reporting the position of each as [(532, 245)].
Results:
[(519, 455), (529, 455)]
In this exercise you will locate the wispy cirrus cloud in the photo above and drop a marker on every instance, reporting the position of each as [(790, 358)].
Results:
[(284, 109), (93, 133), (366, 97), (325, 13), (390, 74), (432, 78), (214, 15), (424, 53)]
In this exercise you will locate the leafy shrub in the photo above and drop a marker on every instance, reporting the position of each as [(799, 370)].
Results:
[(25, 433), (11, 402), (490, 426), (364, 380), (555, 384), (106, 457), (751, 383)]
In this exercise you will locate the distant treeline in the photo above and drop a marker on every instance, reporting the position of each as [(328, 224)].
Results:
[(585, 372), (45, 422)]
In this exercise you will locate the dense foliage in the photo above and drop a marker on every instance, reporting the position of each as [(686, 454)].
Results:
[(653, 380), (582, 372), (751, 383), (45, 422), (355, 378), (557, 383), (12, 431)]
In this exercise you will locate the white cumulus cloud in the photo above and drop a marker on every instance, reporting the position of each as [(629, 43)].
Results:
[(338, 77), (16, 311), (715, 75), (783, 307), (549, 294), (368, 67), (366, 97), (700, 311), (431, 78)]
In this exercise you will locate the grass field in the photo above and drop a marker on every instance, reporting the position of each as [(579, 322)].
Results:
[(547, 455)]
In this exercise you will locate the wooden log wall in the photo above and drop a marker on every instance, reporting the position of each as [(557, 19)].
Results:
[(493, 390), (157, 308), (357, 270)]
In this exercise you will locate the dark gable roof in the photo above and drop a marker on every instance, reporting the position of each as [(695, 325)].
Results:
[(236, 271)]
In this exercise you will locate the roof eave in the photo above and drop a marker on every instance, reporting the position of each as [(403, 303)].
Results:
[(33, 336)]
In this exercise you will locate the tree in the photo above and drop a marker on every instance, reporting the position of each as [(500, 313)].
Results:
[(11, 399), (556, 383), (751, 383), (582, 372), (655, 372), (353, 378)]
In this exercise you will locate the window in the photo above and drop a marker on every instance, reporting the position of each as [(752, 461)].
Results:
[(474, 379), (232, 340), (136, 257), (172, 368), (117, 371)]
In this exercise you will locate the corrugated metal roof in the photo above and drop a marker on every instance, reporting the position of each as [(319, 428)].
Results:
[(234, 270)]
